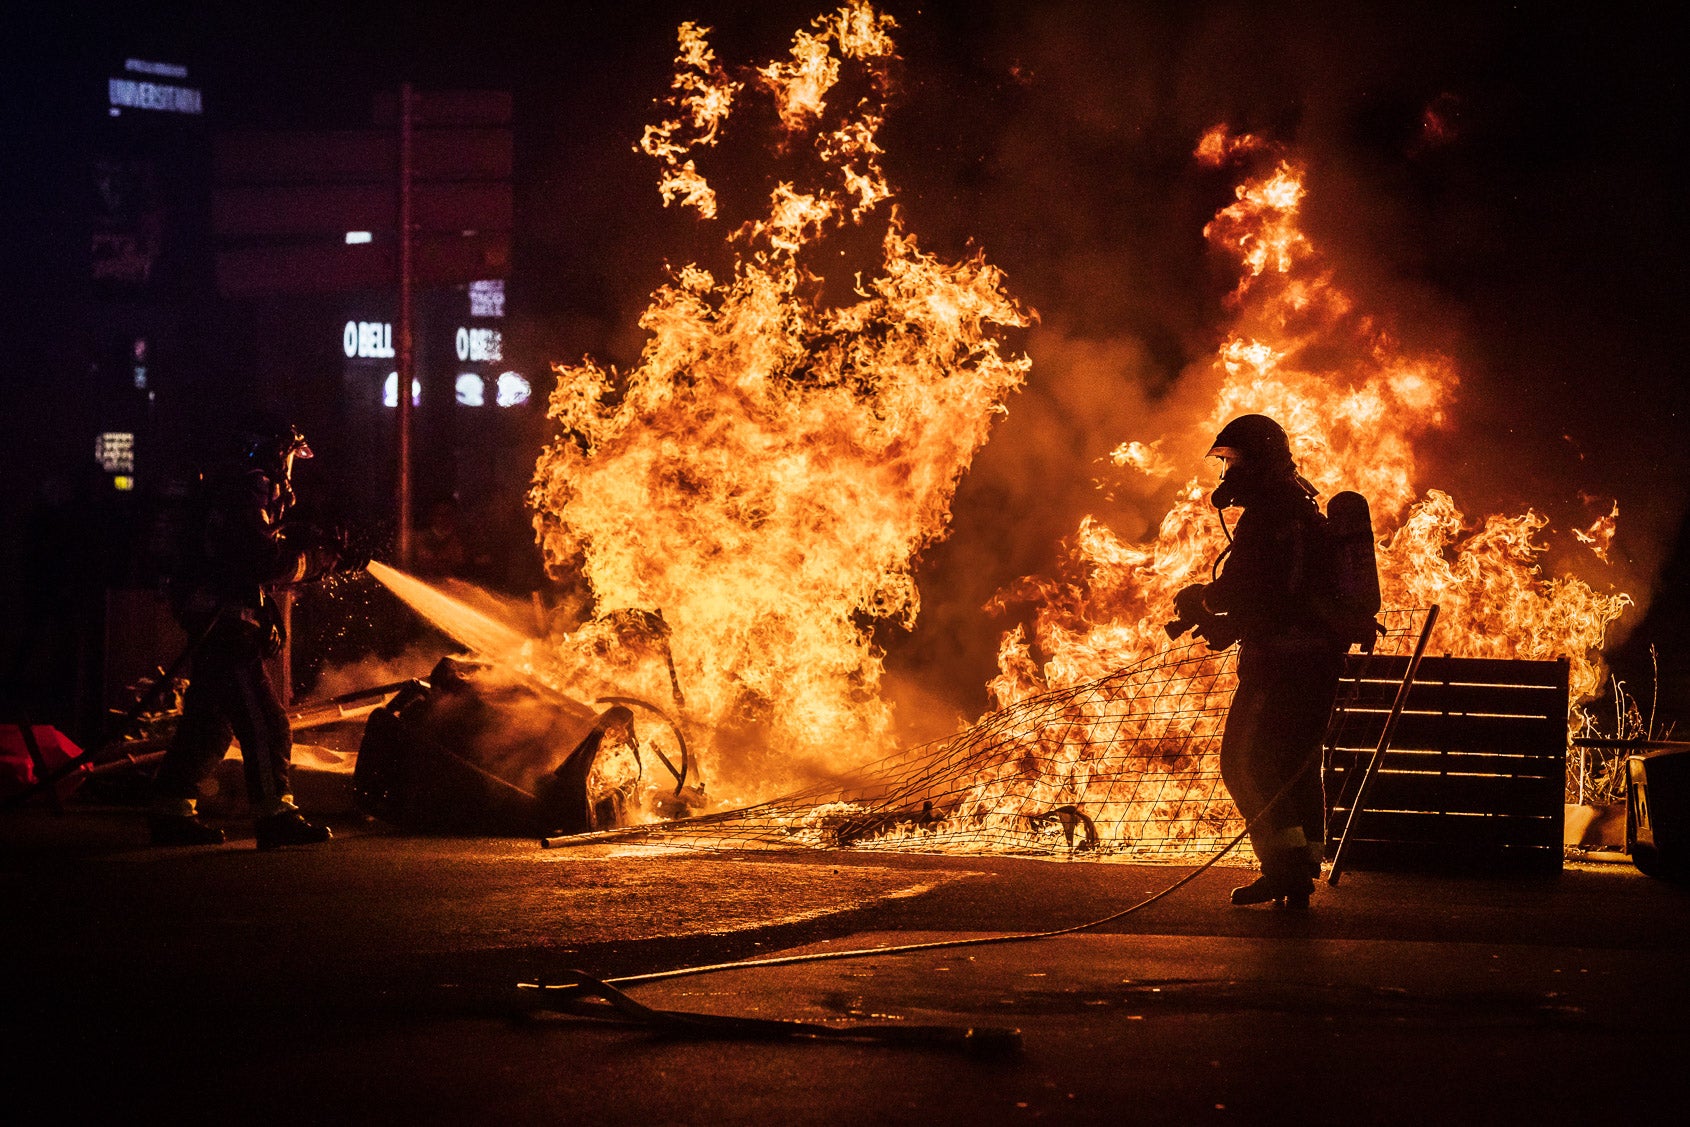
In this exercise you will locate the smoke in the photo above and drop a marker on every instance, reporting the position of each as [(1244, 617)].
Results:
[(1488, 182), (373, 670), (1436, 142)]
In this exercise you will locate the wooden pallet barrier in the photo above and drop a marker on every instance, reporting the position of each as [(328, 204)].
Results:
[(1475, 771)]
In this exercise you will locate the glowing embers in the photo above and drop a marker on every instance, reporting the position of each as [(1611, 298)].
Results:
[(1124, 767)]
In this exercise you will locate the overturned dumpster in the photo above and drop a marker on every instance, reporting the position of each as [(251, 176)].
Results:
[(474, 750)]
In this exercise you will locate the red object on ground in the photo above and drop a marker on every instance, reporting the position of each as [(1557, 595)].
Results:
[(22, 767)]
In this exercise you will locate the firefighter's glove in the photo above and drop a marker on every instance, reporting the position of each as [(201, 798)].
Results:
[(1188, 603), (1192, 615)]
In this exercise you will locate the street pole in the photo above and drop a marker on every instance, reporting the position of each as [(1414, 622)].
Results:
[(407, 357)]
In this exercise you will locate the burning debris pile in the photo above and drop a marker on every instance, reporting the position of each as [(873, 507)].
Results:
[(763, 480), (1126, 766), (506, 742), (475, 750), (1354, 403), (748, 501)]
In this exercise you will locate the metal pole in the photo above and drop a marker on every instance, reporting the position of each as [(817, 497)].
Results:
[(407, 357), (284, 659), (1385, 735)]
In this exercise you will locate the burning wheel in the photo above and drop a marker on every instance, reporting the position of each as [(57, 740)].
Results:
[(680, 740)]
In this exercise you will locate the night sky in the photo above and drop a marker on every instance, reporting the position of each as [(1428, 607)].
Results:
[(1536, 239)]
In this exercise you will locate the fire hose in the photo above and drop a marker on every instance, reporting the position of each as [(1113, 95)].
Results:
[(596, 998), (118, 755), (576, 995)]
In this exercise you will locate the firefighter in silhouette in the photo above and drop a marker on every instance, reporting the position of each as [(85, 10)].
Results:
[(236, 550), (1268, 595)]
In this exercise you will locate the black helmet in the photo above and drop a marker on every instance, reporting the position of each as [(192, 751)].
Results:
[(265, 437), (1257, 452), (1255, 439), (268, 443)]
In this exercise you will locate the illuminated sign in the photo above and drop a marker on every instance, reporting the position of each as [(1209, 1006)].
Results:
[(509, 390), (161, 97), (115, 451), (487, 298), (513, 390), (481, 346), (367, 340), (160, 70), (390, 391), (355, 238)]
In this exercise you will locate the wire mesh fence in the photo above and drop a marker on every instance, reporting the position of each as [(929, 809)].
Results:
[(1125, 766)]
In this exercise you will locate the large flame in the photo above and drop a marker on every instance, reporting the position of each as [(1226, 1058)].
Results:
[(765, 477), (747, 501), (1355, 403)]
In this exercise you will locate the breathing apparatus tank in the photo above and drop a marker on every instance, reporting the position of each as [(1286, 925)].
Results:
[(1354, 597)]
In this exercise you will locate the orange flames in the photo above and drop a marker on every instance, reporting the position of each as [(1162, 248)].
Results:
[(764, 478), (748, 500), (1354, 404)]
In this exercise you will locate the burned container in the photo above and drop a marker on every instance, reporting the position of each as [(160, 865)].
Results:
[(475, 750), (1658, 812)]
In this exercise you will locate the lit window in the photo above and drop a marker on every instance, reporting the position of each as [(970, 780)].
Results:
[(353, 238), (472, 390), (115, 451)]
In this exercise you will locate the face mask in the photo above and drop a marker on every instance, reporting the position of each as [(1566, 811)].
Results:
[(1225, 495)]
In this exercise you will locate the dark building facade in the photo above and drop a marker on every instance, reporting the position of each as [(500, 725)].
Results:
[(129, 363)]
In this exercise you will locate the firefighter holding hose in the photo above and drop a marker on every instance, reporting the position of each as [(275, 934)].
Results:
[(236, 551), (1271, 593)]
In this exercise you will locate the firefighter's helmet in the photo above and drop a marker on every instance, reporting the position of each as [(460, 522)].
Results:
[(263, 436), (1254, 439), (1255, 452), (268, 443)]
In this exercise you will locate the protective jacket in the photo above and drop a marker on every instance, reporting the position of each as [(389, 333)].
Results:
[(241, 550), (1274, 572)]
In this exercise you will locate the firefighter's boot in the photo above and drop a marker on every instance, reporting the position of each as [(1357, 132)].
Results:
[(289, 827), (182, 829), (1285, 882)]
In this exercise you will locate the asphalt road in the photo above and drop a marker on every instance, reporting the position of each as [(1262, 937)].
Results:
[(384, 978)]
